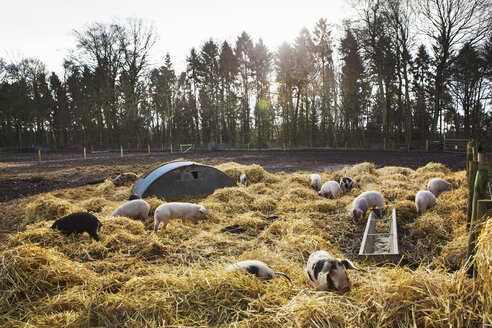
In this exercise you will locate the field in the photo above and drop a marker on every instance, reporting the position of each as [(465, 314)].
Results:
[(134, 278)]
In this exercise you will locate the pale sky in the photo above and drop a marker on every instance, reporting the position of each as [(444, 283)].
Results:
[(43, 29)]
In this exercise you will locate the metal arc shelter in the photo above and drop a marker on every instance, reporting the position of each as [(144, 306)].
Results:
[(174, 180)]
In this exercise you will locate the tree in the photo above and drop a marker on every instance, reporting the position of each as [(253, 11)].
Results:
[(448, 24), (302, 74), (423, 92), (400, 16), (352, 86), (322, 49), (136, 43), (209, 91), (243, 51), (468, 87), (163, 99), (284, 77), (261, 67), (60, 115), (193, 68), (378, 50), (228, 70), (101, 51)]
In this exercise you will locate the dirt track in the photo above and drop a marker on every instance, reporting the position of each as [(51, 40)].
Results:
[(21, 175)]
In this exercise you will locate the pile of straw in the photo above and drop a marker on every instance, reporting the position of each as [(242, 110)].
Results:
[(133, 277)]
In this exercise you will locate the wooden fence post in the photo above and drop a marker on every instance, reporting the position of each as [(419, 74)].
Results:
[(85, 154), (121, 151), (472, 172), (469, 158), (479, 193), (148, 148), (39, 155), (427, 145)]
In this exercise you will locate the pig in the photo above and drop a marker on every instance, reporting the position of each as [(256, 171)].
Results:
[(258, 268), (243, 180), (328, 273), (424, 200), (78, 223), (315, 181), (347, 184), (125, 178), (183, 211), (330, 188), (134, 209), (436, 186), (365, 201), (134, 196)]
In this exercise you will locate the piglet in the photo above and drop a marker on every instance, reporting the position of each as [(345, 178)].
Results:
[(437, 185), (424, 200), (258, 268), (78, 223), (347, 184), (365, 201), (330, 188), (315, 181), (183, 211), (125, 178), (243, 180), (134, 209), (328, 273)]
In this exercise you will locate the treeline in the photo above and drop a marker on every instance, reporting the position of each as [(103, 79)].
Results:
[(374, 86)]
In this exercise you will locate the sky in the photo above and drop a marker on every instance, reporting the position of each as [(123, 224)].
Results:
[(43, 29)]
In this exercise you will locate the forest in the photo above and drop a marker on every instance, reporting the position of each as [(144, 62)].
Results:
[(403, 73)]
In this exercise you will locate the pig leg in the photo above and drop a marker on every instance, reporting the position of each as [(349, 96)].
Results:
[(94, 235), (156, 226)]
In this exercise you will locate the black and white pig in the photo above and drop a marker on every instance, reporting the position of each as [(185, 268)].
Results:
[(78, 223), (243, 180), (328, 273), (258, 268), (347, 184)]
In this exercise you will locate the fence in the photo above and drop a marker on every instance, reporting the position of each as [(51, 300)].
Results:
[(455, 145), (479, 202)]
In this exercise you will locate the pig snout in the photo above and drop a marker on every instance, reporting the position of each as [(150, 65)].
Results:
[(345, 288), (342, 284), (339, 279)]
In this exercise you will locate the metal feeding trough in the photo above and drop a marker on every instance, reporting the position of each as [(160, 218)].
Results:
[(174, 180), (380, 241)]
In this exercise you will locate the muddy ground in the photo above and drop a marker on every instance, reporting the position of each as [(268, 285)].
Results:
[(22, 175)]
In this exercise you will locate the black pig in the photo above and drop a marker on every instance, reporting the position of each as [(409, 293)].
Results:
[(78, 223)]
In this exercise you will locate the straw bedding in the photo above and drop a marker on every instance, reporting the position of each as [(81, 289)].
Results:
[(136, 278)]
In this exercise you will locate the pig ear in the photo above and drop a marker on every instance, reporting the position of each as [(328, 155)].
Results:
[(348, 265), (351, 213), (203, 210)]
